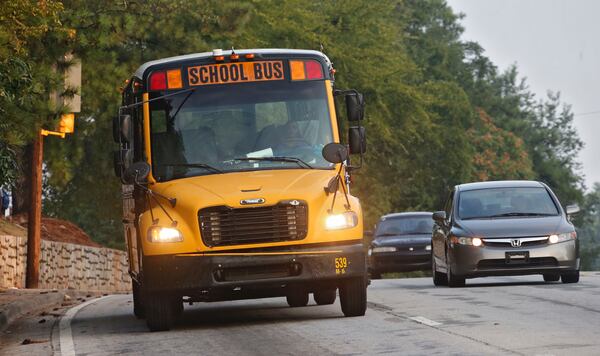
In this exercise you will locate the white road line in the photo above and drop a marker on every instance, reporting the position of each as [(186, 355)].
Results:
[(67, 346), (424, 320)]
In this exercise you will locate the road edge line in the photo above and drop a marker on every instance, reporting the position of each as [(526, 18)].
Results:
[(65, 335)]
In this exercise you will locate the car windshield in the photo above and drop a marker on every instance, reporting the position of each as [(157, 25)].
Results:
[(404, 226), (506, 202), (222, 128)]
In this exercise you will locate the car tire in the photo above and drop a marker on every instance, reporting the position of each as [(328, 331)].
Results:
[(550, 277), (572, 277), (138, 300), (439, 278), (353, 297), (297, 299), (159, 311), (455, 281), (325, 297)]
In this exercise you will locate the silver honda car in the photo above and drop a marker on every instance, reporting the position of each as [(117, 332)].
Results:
[(504, 228)]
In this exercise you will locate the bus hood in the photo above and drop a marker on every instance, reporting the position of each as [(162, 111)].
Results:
[(247, 188)]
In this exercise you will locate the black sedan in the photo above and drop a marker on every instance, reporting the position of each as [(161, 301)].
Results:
[(504, 228), (402, 243)]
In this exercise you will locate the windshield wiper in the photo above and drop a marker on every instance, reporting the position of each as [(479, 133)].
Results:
[(506, 215), (520, 214), (296, 160), (192, 165)]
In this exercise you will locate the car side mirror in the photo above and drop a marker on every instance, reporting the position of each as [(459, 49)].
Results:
[(439, 216), (572, 209)]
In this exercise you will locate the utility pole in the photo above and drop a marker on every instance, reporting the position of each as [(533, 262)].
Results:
[(67, 125), (35, 215)]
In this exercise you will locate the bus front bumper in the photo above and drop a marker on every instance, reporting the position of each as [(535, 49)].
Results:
[(257, 274)]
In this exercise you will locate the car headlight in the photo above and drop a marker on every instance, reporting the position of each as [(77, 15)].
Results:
[(164, 234), (556, 238), (428, 248), (345, 220), (470, 241), (384, 249)]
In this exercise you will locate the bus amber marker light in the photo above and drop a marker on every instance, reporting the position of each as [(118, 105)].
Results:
[(164, 234)]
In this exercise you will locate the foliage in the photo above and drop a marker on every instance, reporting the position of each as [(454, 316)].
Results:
[(500, 154), (589, 231), (438, 111)]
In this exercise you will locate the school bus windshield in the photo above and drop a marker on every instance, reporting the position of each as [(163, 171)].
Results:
[(218, 128)]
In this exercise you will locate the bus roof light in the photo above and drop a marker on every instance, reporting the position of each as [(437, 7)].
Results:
[(249, 56), (297, 70), (314, 70), (174, 79), (235, 56), (158, 81)]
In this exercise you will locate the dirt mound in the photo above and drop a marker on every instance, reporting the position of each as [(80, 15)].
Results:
[(58, 230)]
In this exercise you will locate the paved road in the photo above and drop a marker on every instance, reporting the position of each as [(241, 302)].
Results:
[(511, 315)]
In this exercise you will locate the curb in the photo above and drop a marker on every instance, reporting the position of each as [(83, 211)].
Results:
[(32, 302)]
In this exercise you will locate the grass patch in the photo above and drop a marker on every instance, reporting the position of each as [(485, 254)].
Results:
[(8, 228)]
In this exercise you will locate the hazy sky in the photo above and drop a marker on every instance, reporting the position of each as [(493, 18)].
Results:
[(556, 45)]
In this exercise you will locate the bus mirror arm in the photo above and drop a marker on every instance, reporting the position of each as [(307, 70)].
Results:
[(333, 187), (137, 174)]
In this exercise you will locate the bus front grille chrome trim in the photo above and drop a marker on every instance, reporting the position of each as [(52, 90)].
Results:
[(224, 226)]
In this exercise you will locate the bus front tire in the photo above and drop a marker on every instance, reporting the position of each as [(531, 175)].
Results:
[(324, 297), (297, 299), (138, 300), (160, 313), (353, 297)]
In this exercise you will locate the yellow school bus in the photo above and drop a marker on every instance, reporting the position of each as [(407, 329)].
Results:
[(235, 182)]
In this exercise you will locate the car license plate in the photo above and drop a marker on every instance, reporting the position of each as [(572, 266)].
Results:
[(517, 257)]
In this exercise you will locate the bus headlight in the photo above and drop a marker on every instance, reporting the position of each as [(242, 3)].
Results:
[(345, 220), (164, 234)]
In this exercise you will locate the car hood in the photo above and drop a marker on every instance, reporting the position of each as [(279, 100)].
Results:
[(403, 240), (515, 227)]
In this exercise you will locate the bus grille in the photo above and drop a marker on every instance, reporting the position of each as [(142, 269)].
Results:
[(223, 225)]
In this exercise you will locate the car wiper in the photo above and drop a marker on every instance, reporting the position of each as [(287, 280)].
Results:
[(520, 214), (192, 165), (296, 160), (506, 215)]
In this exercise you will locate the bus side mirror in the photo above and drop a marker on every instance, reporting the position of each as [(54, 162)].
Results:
[(117, 163), (137, 172), (357, 139), (122, 159), (355, 105), (439, 216), (335, 152), (123, 129)]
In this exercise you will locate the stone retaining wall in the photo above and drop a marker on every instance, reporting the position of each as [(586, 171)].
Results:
[(65, 266)]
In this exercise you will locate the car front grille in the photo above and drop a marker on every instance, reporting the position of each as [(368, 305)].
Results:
[(525, 241), (223, 225), (531, 262)]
